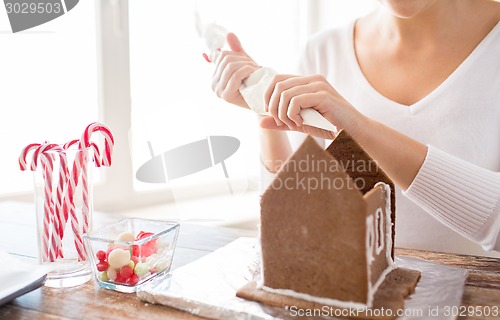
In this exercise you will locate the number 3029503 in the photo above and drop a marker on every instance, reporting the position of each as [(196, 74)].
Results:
[(472, 311), (40, 7)]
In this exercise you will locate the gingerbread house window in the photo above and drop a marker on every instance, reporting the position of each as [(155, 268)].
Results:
[(379, 230)]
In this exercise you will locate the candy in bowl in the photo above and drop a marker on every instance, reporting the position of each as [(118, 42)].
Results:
[(127, 254)]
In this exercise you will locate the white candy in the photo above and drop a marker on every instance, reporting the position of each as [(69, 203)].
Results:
[(118, 258), (152, 259), (142, 269), (111, 274), (126, 236)]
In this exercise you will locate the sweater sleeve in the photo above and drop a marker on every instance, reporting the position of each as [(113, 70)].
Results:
[(462, 196)]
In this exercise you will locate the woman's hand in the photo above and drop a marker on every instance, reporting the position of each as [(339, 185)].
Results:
[(287, 95), (231, 68), (398, 155)]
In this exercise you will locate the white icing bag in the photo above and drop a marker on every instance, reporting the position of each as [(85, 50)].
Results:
[(253, 89), (255, 85)]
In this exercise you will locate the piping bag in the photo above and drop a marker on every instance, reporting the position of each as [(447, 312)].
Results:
[(253, 87)]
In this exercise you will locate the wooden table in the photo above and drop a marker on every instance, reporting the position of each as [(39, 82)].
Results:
[(90, 302)]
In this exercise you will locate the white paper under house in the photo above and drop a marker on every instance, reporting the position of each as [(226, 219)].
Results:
[(207, 287)]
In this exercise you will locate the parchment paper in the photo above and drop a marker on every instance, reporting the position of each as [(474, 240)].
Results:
[(207, 286)]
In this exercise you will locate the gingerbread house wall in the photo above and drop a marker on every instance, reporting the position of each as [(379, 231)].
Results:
[(314, 243), (379, 243), (362, 168)]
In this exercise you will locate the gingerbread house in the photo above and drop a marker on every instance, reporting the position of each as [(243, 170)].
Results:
[(327, 226)]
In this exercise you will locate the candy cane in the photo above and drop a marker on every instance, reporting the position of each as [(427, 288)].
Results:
[(23, 163), (51, 242), (69, 205), (108, 140), (52, 238), (61, 210), (85, 190), (80, 171), (75, 225), (49, 229), (105, 161), (93, 146), (58, 210)]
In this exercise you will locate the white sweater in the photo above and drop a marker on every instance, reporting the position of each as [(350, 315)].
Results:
[(453, 203)]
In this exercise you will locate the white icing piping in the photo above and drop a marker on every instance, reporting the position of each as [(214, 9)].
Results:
[(369, 242), (260, 280), (379, 220), (388, 223), (324, 301), (372, 288)]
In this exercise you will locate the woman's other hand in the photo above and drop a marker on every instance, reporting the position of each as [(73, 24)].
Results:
[(287, 95), (231, 68)]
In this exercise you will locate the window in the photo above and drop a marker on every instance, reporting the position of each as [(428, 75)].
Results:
[(49, 87), (172, 100), (141, 63)]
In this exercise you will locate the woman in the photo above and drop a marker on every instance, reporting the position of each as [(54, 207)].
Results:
[(417, 84)]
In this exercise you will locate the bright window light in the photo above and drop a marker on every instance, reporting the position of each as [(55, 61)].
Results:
[(49, 87), (172, 101)]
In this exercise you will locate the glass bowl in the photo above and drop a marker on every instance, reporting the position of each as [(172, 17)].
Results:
[(129, 253)]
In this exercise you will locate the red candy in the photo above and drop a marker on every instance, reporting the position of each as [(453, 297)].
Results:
[(102, 266), (126, 272), (149, 247), (135, 251), (132, 280), (101, 255), (142, 235)]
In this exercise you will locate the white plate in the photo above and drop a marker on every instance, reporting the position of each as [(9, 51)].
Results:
[(18, 278)]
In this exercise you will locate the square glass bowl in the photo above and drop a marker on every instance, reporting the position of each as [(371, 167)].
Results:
[(126, 254)]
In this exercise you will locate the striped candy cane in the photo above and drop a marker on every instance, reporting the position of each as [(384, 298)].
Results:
[(50, 244), (93, 146), (108, 141), (23, 163), (85, 193), (79, 175), (60, 208), (69, 204), (85, 143), (51, 238)]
